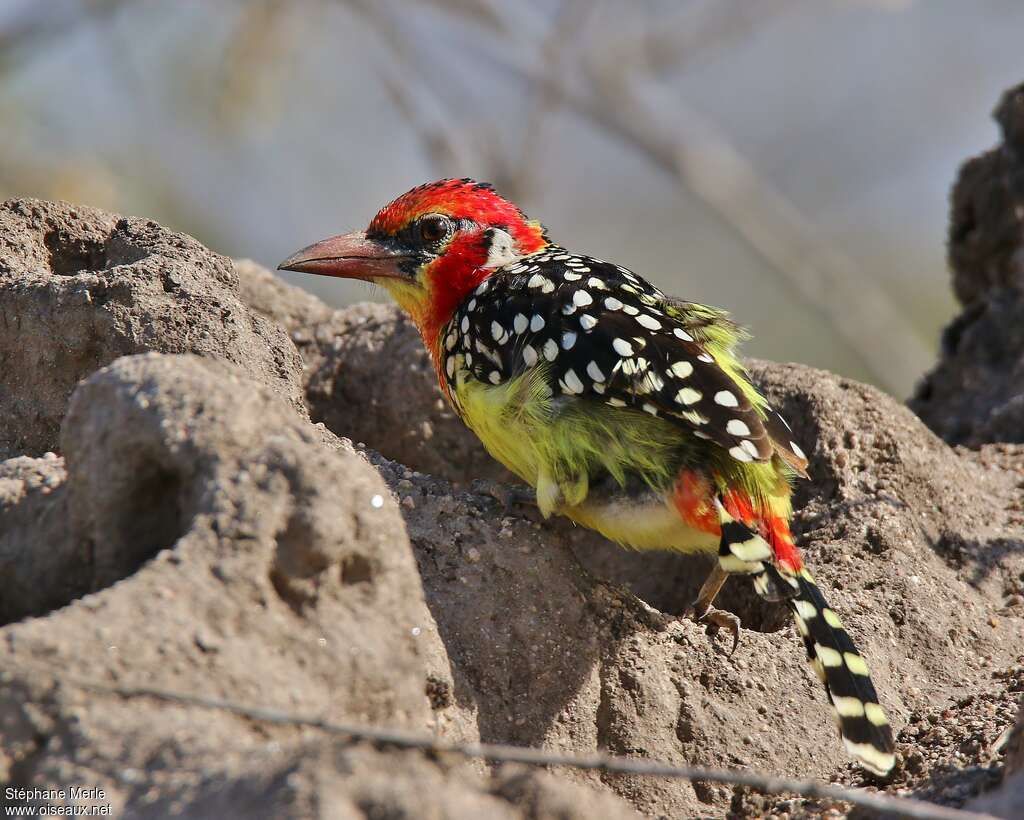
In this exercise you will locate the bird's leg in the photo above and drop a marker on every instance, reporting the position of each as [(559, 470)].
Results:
[(702, 610), (509, 496)]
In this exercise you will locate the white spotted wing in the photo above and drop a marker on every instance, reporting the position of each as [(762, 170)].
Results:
[(604, 334)]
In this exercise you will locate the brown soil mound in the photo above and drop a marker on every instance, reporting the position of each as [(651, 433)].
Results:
[(193, 530)]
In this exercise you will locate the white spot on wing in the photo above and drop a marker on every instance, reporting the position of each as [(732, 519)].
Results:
[(571, 383), (737, 427), (688, 396)]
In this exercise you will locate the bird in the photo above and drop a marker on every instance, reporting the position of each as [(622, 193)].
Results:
[(626, 410)]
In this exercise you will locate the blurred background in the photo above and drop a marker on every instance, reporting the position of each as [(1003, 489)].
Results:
[(787, 159)]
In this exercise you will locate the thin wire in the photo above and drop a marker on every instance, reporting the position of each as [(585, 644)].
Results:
[(881, 803)]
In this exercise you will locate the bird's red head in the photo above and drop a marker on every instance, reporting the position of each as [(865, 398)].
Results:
[(429, 248)]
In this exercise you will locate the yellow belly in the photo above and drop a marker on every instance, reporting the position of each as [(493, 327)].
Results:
[(653, 524), (557, 449)]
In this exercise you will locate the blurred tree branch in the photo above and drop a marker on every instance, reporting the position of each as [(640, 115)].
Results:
[(614, 75), (617, 92)]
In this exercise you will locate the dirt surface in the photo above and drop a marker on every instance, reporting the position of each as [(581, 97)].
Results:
[(191, 529), (80, 288), (975, 394)]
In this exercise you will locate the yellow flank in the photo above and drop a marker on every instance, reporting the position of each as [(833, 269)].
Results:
[(649, 525), (555, 445)]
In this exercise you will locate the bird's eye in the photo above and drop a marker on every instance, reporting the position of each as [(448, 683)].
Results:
[(433, 228)]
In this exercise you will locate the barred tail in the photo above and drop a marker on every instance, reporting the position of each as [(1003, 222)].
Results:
[(863, 725)]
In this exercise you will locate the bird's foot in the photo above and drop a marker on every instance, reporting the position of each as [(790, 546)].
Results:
[(510, 496), (716, 619)]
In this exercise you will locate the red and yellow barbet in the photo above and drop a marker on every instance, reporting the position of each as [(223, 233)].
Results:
[(625, 409)]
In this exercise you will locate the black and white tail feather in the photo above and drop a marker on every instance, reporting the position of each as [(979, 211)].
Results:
[(863, 726)]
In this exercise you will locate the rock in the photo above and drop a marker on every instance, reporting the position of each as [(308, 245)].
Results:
[(335, 780), (1008, 799), (368, 377), (199, 534), (1006, 802), (896, 524), (258, 567), (268, 569), (975, 394), (33, 511), (80, 287)]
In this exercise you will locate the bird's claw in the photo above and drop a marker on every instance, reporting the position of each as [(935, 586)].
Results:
[(716, 619)]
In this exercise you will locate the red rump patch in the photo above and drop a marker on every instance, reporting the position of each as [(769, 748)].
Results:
[(775, 529), (694, 498), (772, 528)]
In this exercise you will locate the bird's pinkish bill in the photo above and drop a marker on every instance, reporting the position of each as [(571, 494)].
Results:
[(349, 256)]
